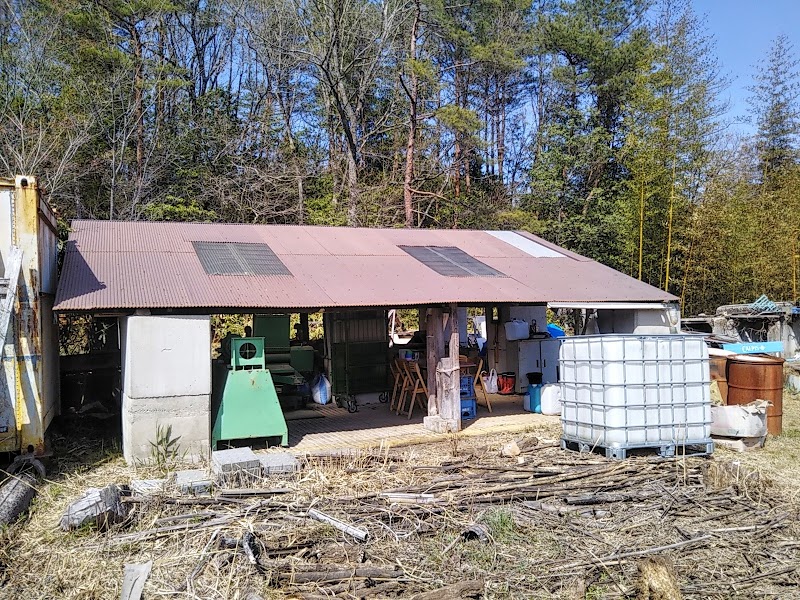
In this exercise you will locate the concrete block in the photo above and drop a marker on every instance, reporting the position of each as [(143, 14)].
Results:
[(147, 487), (194, 481), (278, 463), (235, 461), (438, 424), (166, 355), (189, 417)]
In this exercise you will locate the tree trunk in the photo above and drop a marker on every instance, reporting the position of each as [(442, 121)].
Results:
[(347, 119), (138, 102), (300, 198), (408, 178), (457, 144), (501, 137)]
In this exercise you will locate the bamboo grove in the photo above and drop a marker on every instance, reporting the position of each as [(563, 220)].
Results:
[(597, 124)]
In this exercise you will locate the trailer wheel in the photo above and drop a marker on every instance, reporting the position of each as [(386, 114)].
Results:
[(26, 460)]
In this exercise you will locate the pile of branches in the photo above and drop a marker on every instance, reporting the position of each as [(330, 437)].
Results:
[(423, 523)]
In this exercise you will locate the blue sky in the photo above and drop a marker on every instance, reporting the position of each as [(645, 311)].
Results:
[(744, 30)]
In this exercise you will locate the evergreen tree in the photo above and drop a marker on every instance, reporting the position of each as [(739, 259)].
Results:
[(776, 108)]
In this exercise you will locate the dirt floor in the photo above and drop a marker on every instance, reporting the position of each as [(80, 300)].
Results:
[(451, 519)]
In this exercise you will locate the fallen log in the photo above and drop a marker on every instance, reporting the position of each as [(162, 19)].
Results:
[(457, 591), (358, 572), (614, 558), (240, 492), (138, 536)]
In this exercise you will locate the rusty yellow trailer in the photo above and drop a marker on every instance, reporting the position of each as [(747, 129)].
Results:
[(29, 391)]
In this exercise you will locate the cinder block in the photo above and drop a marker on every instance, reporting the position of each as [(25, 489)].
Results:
[(235, 464), (278, 463), (189, 417), (194, 481), (146, 487), (439, 424)]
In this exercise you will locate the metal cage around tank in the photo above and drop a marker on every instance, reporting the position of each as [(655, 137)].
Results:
[(626, 392)]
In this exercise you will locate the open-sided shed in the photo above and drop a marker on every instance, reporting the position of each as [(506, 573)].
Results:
[(164, 280)]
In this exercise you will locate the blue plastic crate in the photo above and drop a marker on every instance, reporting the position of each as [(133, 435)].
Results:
[(467, 385), (469, 408)]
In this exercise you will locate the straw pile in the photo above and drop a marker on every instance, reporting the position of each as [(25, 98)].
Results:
[(445, 520)]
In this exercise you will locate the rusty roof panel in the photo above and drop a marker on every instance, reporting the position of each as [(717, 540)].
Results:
[(126, 265)]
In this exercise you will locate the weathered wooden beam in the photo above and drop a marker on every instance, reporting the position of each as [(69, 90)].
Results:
[(135, 577), (448, 392), (453, 341), (434, 352)]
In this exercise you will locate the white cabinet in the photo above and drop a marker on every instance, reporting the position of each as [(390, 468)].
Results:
[(535, 356)]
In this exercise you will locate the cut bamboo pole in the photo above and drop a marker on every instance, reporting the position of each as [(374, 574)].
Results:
[(356, 532)]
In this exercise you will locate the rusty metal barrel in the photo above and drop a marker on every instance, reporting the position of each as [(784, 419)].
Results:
[(758, 377), (718, 364)]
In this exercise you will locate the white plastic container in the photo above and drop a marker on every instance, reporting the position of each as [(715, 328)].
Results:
[(635, 391), (551, 399), (517, 329)]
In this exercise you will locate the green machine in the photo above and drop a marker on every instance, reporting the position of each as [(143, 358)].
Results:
[(245, 403), (290, 366)]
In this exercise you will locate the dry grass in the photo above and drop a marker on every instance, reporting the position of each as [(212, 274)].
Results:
[(779, 460), (744, 504)]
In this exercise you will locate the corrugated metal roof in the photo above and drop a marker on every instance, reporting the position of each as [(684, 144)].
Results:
[(112, 265)]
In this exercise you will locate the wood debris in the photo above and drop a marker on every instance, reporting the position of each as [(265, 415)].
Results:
[(411, 524)]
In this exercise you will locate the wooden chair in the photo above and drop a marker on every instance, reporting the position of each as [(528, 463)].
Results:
[(420, 389), (415, 384), (478, 383), (406, 385), (399, 380)]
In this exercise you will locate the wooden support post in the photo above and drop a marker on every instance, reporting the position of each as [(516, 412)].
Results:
[(304, 332), (434, 352), (577, 316), (448, 383), (453, 341)]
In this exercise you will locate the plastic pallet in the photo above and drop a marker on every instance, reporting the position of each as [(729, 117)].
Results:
[(469, 408), (662, 449)]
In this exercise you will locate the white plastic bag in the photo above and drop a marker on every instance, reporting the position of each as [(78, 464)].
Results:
[(490, 381), (321, 390)]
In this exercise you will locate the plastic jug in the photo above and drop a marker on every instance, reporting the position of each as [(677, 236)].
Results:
[(532, 401), (551, 399)]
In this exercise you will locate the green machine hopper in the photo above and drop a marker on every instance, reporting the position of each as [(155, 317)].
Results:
[(245, 402)]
